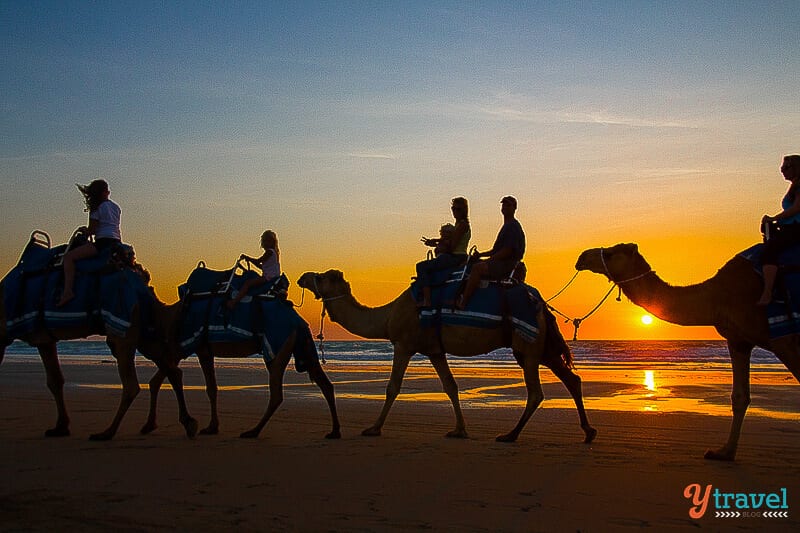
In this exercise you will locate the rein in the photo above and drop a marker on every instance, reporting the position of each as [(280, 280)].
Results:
[(321, 335), (576, 322), (608, 274)]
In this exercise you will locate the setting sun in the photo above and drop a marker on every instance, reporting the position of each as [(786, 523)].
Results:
[(647, 320)]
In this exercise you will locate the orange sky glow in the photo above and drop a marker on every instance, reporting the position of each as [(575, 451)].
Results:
[(347, 130)]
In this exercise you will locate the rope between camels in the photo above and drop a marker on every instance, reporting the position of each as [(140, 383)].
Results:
[(576, 322), (321, 335), (556, 295)]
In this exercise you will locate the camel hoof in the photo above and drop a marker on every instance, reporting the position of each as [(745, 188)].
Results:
[(371, 432), (210, 431), (508, 437), (335, 434), (457, 434), (105, 435), (57, 432), (252, 434), (148, 428), (191, 427), (591, 433), (719, 455)]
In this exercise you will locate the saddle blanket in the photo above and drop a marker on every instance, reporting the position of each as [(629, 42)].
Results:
[(488, 308), (783, 313), (265, 315), (105, 295)]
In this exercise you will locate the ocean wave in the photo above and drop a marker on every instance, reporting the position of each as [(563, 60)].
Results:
[(698, 355)]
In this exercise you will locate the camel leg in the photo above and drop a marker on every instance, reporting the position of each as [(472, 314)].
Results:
[(530, 368), (788, 352), (130, 388), (276, 369), (55, 382), (210, 374), (318, 376), (175, 376), (155, 386), (740, 399), (572, 382), (439, 362), (400, 362)]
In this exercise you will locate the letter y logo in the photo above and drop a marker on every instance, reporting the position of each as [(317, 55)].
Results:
[(699, 502)]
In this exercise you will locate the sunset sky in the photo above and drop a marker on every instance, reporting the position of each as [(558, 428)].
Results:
[(347, 127)]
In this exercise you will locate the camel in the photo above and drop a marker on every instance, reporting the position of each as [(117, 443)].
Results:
[(398, 322), (726, 301), (123, 349), (276, 368)]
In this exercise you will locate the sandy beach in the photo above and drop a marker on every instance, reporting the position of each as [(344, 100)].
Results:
[(649, 449)]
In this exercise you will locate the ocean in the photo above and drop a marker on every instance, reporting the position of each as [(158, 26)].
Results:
[(693, 354)]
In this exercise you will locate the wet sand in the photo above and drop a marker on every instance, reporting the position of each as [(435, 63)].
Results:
[(649, 448)]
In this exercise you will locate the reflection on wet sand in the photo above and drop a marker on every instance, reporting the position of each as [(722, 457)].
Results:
[(656, 391), (636, 388)]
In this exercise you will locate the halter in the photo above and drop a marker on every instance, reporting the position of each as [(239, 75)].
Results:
[(316, 291), (608, 273), (321, 335)]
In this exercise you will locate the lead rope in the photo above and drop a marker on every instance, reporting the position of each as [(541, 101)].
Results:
[(321, 334), (576, 322), (556, 295)]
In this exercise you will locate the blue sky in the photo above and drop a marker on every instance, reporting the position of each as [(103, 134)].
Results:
[(114, 74), (348, 126)]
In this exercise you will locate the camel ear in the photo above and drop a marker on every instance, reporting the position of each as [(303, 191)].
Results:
[(337, 275), (630, 248)]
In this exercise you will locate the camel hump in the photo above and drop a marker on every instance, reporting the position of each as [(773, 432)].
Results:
[(783, 310), (495, 304), (103, 303), (206, 282), (263, 318), (788, 258)]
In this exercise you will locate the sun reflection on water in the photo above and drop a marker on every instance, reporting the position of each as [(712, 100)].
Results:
[(649, 380)]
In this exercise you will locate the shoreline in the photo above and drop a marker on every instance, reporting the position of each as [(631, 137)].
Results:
[(633, 476), (640, 387)]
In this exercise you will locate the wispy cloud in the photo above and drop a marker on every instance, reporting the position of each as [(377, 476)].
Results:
[(365, 155), (610, 119)]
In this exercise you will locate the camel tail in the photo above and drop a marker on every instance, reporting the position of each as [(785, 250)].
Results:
[(555, 347)]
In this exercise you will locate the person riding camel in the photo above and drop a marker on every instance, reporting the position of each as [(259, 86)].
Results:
[(269, 263), (104, 219), (507, 252)]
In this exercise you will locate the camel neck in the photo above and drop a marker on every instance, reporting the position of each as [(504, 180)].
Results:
[(367, 322), (687, 306)]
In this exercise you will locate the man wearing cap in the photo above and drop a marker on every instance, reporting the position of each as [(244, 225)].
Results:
[(507, 252)]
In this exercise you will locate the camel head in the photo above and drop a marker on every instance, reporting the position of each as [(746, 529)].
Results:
[(618, 263), (330, 284)]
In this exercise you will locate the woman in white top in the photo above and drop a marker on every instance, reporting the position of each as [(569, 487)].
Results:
[(269, 263), (104, 217)]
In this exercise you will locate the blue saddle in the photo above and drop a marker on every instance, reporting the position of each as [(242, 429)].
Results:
[(265, 316), (783, 313), (105, 293), (492, 306)]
